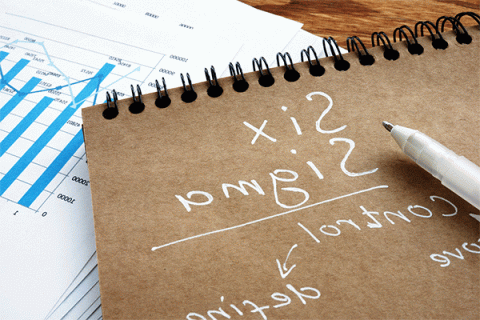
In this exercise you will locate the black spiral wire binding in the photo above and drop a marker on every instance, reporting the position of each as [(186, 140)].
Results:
[(413, 46), (462, 35), (473, 15), (214, 90), (163, 100), (137, 105), (390, 53), (266, 79), (316, 69), (365, 58), (111, 111), (340, 63), (188, 95), (290, 74), (437, 39), (239, 85)]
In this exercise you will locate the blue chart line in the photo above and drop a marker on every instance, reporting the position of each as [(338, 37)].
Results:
[(16, 99), (5, 79), (48, 134), (47, 176), (91, 89), (15, 134), (61, 87)]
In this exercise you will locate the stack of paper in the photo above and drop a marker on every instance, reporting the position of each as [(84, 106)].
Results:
[(59, 57)]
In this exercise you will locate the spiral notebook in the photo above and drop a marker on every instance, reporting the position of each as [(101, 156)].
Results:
[(278, 194)]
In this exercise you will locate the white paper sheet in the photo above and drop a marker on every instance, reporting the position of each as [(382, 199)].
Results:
[(56, 49), (262, 33), (83, 282), (62, 36)]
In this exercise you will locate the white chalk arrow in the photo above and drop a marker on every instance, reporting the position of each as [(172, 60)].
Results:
[(284, 272)]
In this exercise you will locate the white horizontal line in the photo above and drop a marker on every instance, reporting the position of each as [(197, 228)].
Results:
[(270, 217)]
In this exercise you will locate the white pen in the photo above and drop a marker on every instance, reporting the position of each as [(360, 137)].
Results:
[(455, 172)]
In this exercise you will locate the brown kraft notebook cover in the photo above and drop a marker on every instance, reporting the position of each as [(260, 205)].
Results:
[(291, 201)]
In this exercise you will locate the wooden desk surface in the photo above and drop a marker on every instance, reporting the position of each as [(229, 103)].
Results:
[(345, 18)]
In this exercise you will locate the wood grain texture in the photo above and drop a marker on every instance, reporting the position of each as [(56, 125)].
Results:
[(344, 18)]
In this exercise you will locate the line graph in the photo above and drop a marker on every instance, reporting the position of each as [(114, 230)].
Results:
[(14, 172), (36, 155), (4, 79), (51, 66)]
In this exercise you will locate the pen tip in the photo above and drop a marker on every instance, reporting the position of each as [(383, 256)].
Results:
[(387, 125)]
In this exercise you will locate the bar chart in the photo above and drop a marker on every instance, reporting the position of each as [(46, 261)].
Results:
[(51, 66), (45, 205), (44, 184), (46, 177), (43, 86), (46, 173)]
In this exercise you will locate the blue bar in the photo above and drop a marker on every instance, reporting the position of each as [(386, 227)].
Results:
[(56, 125), (3, 55), (17, 98), (47, 176), (24, 124), (13, 72)]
